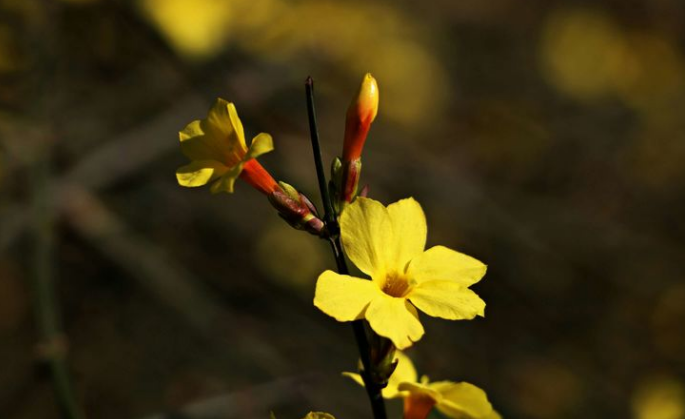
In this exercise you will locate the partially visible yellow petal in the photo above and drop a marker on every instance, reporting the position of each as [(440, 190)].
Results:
[(405, 372), (447, 300), (417, 389), (344, 297), (395, 319), (409, 228), (463, 400), (355, 377), (442, 263), (318, 415), (367, 235), (199, 173), (261, 144), (236, 123), (227, 180)]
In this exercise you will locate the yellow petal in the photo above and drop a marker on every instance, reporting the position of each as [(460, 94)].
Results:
[(227, 180), (318, 415), (409, 228), (218, 137), (344, 297), (199, 173), (447, 300), (463, 400), (404, 373), (261, 144), (355, 377), (367, 236), (389, 392), (442, 263), (223, 121), (236, 123), (194, 144), (421, 390), (395, 319)]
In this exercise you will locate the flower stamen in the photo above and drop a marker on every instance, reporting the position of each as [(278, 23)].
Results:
[(396, 285)]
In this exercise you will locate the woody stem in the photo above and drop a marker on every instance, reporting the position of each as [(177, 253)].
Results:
[(372, 389)]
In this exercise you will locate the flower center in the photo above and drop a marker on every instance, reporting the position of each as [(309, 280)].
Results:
[(396, 285)]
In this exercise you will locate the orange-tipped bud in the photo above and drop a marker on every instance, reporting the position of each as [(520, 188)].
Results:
[(360, 115), (256, 175)]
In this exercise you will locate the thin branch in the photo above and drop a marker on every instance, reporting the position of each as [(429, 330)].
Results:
[(52, 347), (372, 389)]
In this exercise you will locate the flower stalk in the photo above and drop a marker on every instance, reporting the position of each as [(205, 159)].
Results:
[(372, 388)]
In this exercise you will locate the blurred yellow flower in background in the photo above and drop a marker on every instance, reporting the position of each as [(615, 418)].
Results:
[(388, 245), (454, 400), (659, 397), (396, 48), (218, 152), (198, 28)]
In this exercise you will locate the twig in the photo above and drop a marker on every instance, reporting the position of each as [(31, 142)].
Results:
[(373, 390), (238, 404), (52, 347)]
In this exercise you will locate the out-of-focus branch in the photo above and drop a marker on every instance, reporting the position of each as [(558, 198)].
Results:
[(159, 274), (239, 404), (52, 346), (141, 258)]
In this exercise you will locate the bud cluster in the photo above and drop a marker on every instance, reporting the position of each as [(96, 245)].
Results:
[(296, 209)]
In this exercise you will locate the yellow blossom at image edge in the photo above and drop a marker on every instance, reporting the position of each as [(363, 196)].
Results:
[(454, 400)]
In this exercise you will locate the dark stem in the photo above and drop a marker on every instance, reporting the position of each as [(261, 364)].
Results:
[(372, 389), (329, 214)]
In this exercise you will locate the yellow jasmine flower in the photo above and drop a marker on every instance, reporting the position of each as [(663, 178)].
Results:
[(454, 400), (218, 152), (388, 245)]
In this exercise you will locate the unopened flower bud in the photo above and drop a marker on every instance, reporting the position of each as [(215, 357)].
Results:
[(296, 209), (360, 114), (351, 173), (381, 357)]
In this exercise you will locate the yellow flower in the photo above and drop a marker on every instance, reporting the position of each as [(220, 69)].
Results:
[(388, 245), (217, 150), (454, 400)]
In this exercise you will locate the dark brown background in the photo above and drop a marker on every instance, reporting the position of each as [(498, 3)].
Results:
[(545, 138)]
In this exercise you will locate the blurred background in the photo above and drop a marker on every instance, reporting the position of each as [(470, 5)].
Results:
[(547, 139)]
